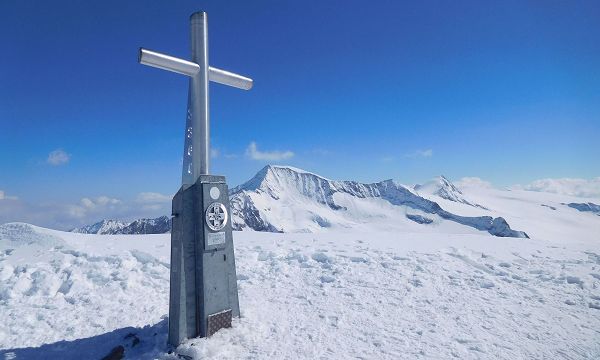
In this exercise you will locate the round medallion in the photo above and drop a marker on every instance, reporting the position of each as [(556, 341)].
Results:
[(216, 216), (214, 193)]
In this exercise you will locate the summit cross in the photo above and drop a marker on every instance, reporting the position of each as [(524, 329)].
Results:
[(196, 153), (203, 296)]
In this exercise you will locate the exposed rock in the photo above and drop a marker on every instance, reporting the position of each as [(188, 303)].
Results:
[(419, 219), (586, 207)]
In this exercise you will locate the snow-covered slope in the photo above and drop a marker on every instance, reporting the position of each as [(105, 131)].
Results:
[(286, 199), (333, 295)]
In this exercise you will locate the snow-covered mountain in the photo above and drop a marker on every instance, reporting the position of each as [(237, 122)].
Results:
[(287, 199), (102, 227), (442, 187), (159, 225)]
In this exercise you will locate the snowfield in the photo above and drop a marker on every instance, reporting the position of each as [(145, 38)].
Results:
[(330, 295), (387, 289)]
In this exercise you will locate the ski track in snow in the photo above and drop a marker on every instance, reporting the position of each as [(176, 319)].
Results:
[(370, 296)]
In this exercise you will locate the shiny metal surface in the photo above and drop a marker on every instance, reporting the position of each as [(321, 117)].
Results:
[(167, 62), (199, 96), (228, 78), (196, 152)]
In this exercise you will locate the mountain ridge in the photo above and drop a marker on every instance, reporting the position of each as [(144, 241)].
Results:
[(288, 199), (252, 202)]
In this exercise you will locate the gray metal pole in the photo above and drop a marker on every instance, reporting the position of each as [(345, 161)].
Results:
[(199, 96)]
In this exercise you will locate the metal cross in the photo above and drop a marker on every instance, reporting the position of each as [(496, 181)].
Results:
[(196, 154)]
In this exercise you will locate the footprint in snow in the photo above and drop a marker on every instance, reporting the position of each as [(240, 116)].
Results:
[(594, 306), (399, 258), (321, 257), (358, 259), (326, 279), (486, 285)]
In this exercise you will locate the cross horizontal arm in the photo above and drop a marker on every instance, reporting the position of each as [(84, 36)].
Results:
[(229, 78), (189, 68), (167, 62)]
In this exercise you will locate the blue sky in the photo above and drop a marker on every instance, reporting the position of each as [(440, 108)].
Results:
[(507, 91)]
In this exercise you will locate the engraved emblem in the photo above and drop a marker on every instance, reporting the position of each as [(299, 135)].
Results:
[(216, 216)]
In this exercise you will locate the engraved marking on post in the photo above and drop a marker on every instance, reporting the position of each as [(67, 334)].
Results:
[(216, 216)]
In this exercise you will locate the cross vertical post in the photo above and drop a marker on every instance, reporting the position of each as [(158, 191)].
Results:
[(203, 294), (199, 89)]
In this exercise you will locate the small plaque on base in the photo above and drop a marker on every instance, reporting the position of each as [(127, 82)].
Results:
[(218, 321)]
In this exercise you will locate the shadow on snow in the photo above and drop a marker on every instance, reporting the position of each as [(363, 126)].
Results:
[(135, 342)]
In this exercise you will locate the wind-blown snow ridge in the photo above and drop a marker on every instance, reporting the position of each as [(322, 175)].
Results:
[(285, 199)]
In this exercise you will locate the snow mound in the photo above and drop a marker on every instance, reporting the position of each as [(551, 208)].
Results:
[(43, 277), (19, 234)]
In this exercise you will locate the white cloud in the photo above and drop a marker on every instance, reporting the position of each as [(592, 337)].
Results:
[(470, 182), (255, 154), (100, 201), (420, 154), (4, 196), (152, 198), (214, 153), (87, 210), (58, 157), (565, 186)]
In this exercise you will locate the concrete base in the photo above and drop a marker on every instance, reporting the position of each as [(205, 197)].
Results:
[(203, 276)]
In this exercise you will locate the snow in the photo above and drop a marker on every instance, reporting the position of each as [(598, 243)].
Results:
[(378, 289), (284, 199)]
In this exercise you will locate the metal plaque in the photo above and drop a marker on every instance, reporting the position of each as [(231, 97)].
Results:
[(217, 238), (218, 321), (216, 216)]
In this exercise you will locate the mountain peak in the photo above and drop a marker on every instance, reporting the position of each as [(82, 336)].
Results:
[(441, 187), (270, 175)]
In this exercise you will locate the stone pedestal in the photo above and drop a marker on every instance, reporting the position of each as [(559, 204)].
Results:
[(203, 294)]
